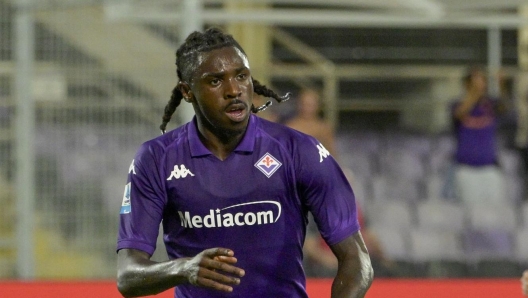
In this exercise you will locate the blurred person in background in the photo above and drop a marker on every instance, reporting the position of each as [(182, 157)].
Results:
[(308, 120), (478, 177), (319, 260)]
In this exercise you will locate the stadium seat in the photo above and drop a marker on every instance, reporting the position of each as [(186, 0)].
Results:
[(360, 163), (390, 213), (419, 144), (363, 141), (361, 188), (435, 245), (440, 215), (488, 244), (434, 185), (394, 242), (402, 163), (438, 162), (441, 154), (445, 143), (395, 188), (521, 245), (493, 216)]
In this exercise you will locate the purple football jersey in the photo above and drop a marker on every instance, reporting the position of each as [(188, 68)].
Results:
[(476, 139), (254, 202)]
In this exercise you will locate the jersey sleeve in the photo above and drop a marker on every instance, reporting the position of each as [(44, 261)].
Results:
[(325, 191), (143, 203)]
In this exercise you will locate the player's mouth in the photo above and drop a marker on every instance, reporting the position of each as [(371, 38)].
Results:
[(237, 112)]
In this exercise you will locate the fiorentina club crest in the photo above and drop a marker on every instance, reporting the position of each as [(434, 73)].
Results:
[(268, 164)]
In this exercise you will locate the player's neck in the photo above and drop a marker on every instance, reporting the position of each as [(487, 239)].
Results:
[(221, 144)]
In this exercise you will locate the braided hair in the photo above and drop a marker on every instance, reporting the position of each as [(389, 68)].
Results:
[(187, 61)]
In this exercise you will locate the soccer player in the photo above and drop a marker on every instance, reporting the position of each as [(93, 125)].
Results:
[(233, 192)]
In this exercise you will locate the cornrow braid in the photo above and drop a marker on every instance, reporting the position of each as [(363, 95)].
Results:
[(265, 91), (171, 106)]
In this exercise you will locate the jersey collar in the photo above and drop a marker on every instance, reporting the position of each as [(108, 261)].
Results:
[(198, 149)]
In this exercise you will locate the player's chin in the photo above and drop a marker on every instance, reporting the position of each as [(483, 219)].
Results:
[(232, 129)]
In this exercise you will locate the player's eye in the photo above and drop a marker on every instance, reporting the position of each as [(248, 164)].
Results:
[(215, 82), (242, 76)]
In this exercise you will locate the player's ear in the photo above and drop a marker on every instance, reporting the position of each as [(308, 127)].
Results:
[(185, 89)]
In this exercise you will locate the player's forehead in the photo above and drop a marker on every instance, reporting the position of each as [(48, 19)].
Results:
[(220, 60)]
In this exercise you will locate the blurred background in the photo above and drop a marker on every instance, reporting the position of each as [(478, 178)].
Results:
[(83, 83)]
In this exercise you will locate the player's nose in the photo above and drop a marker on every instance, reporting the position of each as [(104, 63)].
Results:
[(232, 89)]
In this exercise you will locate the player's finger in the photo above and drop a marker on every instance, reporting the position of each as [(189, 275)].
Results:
[(218, 251), (215, 280), (218, 276), (208, 283), (224, 267), (229, 260)]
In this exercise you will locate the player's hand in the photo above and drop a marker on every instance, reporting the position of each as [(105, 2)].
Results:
[(478, 86), (524, 283), (213, 268)]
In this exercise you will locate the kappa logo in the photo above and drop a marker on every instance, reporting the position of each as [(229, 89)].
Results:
[(179, 172), (268, 164), (323, 153), (132, 168)]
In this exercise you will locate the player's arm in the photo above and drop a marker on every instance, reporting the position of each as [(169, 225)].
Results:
[(475, 90), (468, 102), (354, 271), (213, 268)]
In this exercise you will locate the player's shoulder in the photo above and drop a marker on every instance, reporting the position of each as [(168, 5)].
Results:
[(284, 134), (159, 145)]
